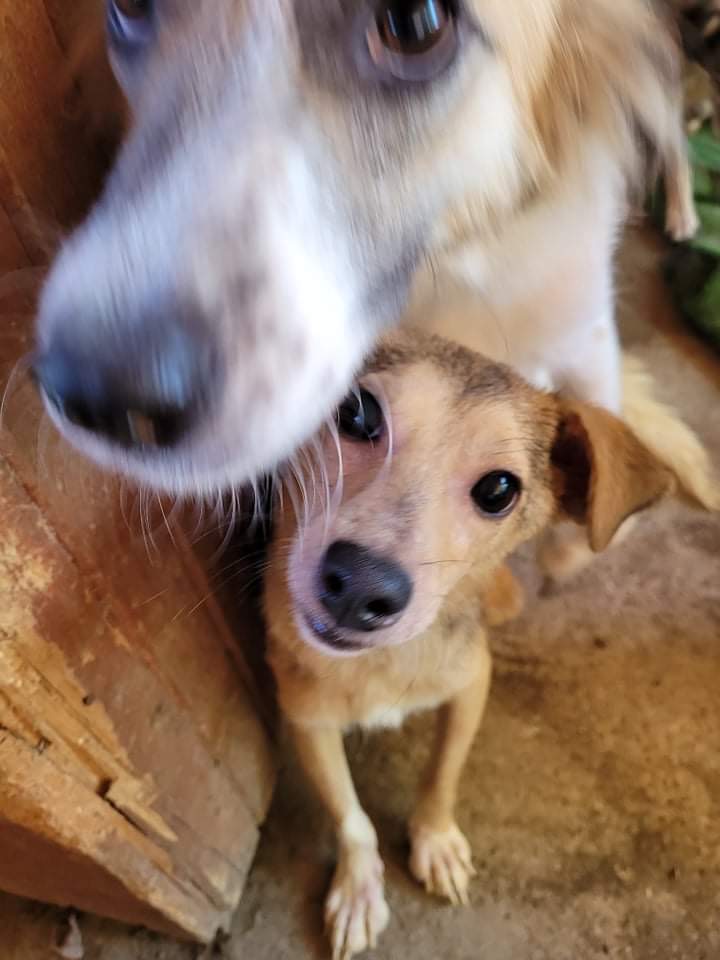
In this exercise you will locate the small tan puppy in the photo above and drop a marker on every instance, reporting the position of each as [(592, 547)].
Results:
[(378, 606)]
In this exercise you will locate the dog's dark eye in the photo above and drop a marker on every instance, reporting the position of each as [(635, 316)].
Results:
[(360, 417), (132, 9), (130, 20), (413, 40), (496, 493)]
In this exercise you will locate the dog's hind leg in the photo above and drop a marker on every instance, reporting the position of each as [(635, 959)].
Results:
[(502, 597), (440, 856), (355, 909), (681, 219)]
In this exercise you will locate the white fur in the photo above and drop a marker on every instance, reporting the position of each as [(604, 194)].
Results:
[(539, 296)]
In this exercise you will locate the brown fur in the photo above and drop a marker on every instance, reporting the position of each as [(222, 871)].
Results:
[(575, 461)]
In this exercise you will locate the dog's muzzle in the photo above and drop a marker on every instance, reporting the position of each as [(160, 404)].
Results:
[(142, 395)]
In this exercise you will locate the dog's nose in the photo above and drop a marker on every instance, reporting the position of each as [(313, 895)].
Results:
[(360, 589), (150, 398)]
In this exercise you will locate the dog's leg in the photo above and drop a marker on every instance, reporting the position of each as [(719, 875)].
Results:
[(681, 219), (564, 551), (355, 909), (440, 855)]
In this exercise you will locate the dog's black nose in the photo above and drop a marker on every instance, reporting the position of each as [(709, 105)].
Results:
[(361, 590), (148, 398)]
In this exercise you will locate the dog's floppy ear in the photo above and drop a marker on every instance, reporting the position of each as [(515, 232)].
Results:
[(601, 472)]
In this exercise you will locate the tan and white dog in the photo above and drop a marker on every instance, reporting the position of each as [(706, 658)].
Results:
[(379, 608), (297, 169)]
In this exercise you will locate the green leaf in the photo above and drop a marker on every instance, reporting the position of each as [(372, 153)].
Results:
[(704, 309), (703, 183), (705, 150), (708, 236)]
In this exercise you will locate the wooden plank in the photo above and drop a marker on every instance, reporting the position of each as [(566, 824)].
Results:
[(48, 166), (94, 96), (56, 835), (71, 680), (137, 704), (13, 255), (204, 677), (164, 604)]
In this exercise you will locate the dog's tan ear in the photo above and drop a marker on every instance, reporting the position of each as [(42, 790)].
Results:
[(602, 473)]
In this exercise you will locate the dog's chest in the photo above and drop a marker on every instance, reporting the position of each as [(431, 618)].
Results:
[(374, 691), (421, 677), (381, 688), (385, 718), (382, 716)]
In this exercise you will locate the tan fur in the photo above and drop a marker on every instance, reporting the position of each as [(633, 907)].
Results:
[(671, 441), (502, 597), (455, 416)]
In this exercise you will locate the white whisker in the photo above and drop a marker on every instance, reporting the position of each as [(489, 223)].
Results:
[(337, 495), (19, 369), (45, 434), (165, 520)]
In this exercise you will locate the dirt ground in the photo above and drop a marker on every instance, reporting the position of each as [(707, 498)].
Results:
[(592, 797)]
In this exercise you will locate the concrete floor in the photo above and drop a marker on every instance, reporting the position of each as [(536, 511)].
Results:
[(592, 797)]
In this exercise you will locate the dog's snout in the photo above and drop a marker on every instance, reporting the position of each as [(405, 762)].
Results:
[(148, 396), (361, 589)]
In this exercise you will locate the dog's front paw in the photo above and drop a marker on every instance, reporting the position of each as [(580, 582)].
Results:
[(355, 910), (441, 860)]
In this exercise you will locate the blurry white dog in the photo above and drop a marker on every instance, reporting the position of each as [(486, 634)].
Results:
[(296, 167)]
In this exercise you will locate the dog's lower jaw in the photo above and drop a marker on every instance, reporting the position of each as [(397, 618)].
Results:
[(326, 639)]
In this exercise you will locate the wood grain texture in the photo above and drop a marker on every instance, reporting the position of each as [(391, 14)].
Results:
[(144, 712), (48, 169)]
